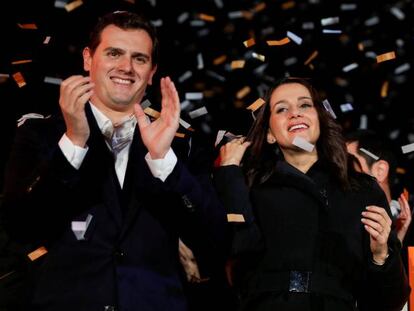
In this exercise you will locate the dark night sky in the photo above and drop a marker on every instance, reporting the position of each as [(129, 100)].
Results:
[(368, 28)]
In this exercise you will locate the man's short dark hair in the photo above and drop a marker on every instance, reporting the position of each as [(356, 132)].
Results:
[(124, 20)]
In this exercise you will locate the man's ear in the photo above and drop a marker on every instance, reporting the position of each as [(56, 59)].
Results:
[(154, 69), (380, 170), (271, 139), (87, 59)]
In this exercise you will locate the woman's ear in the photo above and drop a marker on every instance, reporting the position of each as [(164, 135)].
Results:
[(270, 137)]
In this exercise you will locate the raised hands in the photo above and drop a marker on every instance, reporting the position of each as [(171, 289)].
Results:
[(378, 224), (158, 135), (75, 91), (404, 218)]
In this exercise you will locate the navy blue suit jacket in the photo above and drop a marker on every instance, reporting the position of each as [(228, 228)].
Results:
[(129, 256)]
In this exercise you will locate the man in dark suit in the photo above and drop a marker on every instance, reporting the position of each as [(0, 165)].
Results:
[(100, 190)]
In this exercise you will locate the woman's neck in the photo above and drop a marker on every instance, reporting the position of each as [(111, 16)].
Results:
[(301, 160)]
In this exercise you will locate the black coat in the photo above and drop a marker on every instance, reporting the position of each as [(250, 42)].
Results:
[(302, 233), (129, 257)]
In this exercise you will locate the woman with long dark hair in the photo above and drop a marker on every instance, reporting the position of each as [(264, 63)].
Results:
[(309, 233)]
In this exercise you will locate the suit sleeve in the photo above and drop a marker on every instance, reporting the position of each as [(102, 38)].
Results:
[(38, 184)]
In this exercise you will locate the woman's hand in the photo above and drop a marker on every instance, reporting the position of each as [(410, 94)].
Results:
[(232, 152), (378, 224)]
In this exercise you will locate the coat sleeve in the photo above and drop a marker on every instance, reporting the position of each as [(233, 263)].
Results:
[(234, 193), (386, 287)]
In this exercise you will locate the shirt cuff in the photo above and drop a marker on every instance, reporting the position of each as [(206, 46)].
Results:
[(162, 168), (74, 154)]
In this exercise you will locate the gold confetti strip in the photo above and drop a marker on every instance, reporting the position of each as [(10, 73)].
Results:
[(247, 14), (219, 60), (249, 43), (311, 57), (206, 17), (259, 7), (400, 170), (284, 41), (151, 112), (27, 26), (361, 46), (288, 5), (243, 92), (47, 39), (235, 218), (384, 89), (23, 61), (73, 5), (257, 104), (386, 56), (237, 64), (18, 77), (37, 253), (311, 67), (179, 135)]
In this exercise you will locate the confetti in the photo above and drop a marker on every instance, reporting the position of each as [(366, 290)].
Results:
[(219, 60), (295, 38), (152, 113), (328, 108), (39, 252), (18, 77), (256, 105), (27, 26), (350, 67), (185, 76), (346, 107), (303, 144), (200, 61), (185, 124), (407, 148), (194, 95), (47, 40), (370, 154), (332, 31), (258, 56), (235, 218), (311, 57), (237, 64), (288, 5), (259, 7), (402, 68), (207, 18), (250, 42), (20, 62), (145, 104), (386, 56), (329, 21), (198, 112), (384, 89), (51, 80), (179, 135), (73, 5), (284, 41), (243, 92)]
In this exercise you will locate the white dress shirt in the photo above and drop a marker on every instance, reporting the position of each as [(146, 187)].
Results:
[(160, 168)]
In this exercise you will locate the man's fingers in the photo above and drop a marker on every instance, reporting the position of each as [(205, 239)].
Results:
[(141, 117)]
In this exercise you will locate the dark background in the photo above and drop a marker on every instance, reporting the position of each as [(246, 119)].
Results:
[(184, 37)]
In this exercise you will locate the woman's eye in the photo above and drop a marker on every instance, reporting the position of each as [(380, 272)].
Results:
[(281, 109)]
